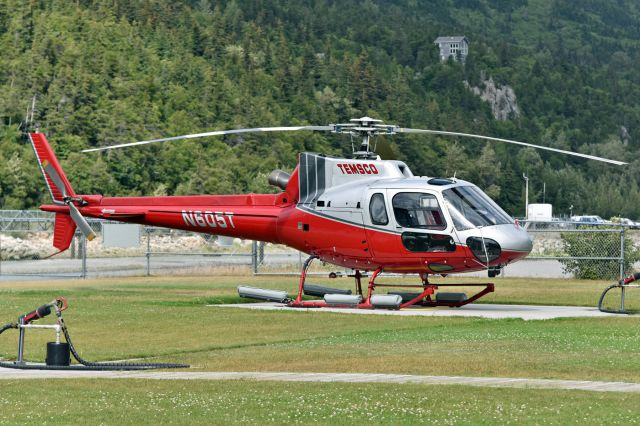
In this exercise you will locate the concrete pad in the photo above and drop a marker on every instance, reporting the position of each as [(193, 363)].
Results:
[(491, 311)]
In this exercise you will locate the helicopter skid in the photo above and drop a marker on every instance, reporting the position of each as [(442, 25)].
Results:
[(488, 288), (422, 299), (360, 301), (367, 304)]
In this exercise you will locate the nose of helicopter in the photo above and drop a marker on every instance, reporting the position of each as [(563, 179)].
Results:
[(514, 241), (516, 238)]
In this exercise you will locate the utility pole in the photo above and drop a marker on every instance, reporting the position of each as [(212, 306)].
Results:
[(526, 196)]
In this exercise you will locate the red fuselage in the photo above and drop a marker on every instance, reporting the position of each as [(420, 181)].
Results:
[(366, 214), (274, 219)]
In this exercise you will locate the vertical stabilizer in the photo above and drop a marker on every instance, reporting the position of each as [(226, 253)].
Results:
[(62, 193), (45, 156)]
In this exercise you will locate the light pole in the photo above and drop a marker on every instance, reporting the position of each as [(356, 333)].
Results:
[(570, 211), (526, 196)]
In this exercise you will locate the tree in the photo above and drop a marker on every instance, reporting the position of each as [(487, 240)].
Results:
[(596, 245), (487, 172)]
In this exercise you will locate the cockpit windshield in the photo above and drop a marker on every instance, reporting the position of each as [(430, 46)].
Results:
[(471, 208)]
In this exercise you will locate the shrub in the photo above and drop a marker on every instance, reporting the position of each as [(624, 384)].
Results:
[(597, 245)]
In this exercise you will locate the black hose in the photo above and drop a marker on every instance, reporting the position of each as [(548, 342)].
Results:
[(86, 365), (115, 365), (8, 326), (16, 366)]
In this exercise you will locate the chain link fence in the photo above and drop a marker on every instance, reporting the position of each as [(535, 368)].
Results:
[(25, 251), (560, 250), (570, 250)]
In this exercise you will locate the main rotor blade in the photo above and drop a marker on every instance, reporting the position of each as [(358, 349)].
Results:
[(81, 222), (55, 177), (215, 133), (546, 148)]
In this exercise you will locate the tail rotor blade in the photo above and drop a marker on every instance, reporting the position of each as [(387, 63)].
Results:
[(81, 222), (55, 177)]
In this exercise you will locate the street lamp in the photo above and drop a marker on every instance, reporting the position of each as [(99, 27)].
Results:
[(526, 196)]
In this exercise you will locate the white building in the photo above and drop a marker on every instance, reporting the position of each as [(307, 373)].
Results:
[(453, 47)]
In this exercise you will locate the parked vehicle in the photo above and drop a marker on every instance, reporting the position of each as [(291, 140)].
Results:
[(540, 212), (588, 220), (627, 222)]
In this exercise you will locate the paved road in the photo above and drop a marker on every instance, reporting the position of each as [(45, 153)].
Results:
[(128, 266), (63, 268), (10, 374)]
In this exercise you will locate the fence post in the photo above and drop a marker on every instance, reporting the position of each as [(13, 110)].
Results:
[(621, 252), (622, 289), (254, 257), (147, 230)]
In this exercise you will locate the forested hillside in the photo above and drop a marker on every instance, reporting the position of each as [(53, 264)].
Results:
[(114, 71)]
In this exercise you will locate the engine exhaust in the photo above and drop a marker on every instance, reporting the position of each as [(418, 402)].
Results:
[(279, 178)]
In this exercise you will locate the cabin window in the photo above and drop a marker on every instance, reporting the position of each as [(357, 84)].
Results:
[(470, 208), (378, 210), (418, 210)]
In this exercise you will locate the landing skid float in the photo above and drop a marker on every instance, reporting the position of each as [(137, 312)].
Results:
[(339, 298)]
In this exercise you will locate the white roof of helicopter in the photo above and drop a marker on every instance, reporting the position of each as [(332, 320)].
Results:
[(418, 182), (343, 182)]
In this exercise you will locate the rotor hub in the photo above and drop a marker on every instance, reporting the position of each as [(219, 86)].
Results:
[(365, 127)]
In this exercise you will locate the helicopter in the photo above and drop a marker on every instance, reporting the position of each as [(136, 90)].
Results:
[(362, 213)]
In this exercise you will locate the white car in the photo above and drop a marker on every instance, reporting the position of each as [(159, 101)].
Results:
[(588, 220), (630, 223)]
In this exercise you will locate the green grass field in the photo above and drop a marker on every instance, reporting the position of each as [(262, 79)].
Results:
[(167, 320), (197, 402)]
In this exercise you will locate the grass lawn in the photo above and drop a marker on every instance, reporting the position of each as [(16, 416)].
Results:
[(127, 402), (166, 319)]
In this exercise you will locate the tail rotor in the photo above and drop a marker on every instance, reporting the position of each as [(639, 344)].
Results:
[(68, 200)]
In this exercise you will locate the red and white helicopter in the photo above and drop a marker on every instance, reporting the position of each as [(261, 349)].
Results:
[(364, 213)]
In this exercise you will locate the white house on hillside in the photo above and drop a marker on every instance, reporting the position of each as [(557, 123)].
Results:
[(453, 47)]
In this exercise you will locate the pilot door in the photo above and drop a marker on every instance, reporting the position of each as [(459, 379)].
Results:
[(411, 227)]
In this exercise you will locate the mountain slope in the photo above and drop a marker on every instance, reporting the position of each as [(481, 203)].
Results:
[(119, 71)]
